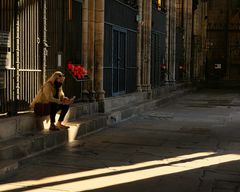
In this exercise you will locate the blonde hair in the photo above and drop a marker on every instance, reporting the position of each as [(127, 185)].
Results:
[(54, 76)]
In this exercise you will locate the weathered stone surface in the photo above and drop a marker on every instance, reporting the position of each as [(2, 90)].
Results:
[(8, 129), (170, 148)]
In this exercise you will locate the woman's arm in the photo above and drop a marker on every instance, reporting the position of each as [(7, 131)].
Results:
[(48, 92)]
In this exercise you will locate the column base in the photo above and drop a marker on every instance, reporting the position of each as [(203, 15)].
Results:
[(100, 95), (85, 95), (92, 96)]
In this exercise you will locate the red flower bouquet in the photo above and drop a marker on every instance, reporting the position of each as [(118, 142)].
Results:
[(78, 71)]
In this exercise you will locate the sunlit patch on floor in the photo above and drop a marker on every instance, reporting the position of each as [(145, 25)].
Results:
[(110, 176)]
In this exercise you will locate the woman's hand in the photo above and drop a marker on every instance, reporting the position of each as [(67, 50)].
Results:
[(67, 101)]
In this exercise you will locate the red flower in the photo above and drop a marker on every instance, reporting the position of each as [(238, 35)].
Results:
[(163, 66), (78, 71)]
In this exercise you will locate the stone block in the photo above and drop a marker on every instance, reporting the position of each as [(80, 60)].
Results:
[(82, 130), (102, 122), (23, 149), (8, 129), (71, 115), (61, 137), (73, 131), (26, 125), (90, 126), (49, 140), (42, 123), (37, 145), (128, 113), (114, 117), (6, 153), (7, 168)]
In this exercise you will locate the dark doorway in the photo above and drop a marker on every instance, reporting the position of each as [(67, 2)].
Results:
[(119, 61)]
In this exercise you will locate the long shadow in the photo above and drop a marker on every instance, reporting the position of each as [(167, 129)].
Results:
[(68, 165), (210, 180), (185, 181), (113, 173)]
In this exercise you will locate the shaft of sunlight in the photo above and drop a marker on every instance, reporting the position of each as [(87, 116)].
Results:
[(110, 176)]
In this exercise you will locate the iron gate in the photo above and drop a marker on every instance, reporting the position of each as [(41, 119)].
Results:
[(120, 69), (21, 74)]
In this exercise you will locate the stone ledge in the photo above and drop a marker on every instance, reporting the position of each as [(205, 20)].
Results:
[(25, 146), (26, 124), (85, 126), (136, 108), (20, 148), (7, 168)]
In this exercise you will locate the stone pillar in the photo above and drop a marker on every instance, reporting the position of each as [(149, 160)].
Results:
[(85, 44), (139, 45), (149, 88), (204, 38), (187, 36), (167, 55), (146, 57), (85, 33), (99, 49), (91, 50), (196, 46), (199, 32), (172, 41)]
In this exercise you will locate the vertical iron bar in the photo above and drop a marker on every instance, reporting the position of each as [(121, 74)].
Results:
[(44, 40), (16, 57)]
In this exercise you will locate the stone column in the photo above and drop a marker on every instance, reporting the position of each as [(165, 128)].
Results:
[(85, 33), (139, 45), (146, 57), (99, 49), (167, 55), (172, 41), (91, 50), (149, 88), (187, 36), (200, 37), (196, 46), (204, 38), (85, 44)]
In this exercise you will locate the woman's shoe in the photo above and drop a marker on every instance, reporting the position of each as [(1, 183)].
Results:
[(53, 128), (63, 127)]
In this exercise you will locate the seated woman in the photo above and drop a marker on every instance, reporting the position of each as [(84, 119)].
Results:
[(52, 93)]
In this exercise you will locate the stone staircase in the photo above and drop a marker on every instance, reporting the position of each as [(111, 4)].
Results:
[(122, 108), (26, 136)]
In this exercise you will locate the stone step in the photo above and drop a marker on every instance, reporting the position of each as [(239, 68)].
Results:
[(86, 125), (8, 168), (15, 150), (32, 144), (115, 103), (20, 125), (137, 108)]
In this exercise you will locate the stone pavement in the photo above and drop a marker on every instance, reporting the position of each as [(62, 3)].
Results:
[(191, 145)]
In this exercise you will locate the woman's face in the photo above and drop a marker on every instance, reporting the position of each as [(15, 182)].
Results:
[(60, 78)]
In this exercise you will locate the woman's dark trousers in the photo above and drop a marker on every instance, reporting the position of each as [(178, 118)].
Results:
[(55, 108)]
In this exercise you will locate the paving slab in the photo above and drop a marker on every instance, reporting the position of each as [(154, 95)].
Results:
[(190, 145)]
